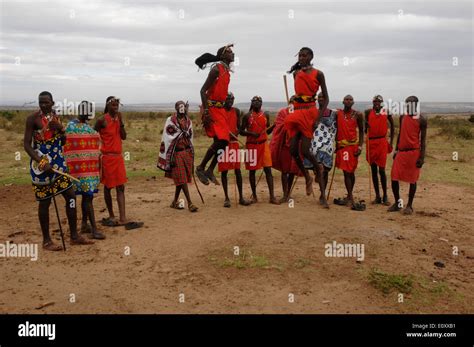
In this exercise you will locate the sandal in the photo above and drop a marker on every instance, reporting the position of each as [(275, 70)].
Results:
[(244, 202), (201, 174), (133, 225), (377, 201), (79, 240), (192, 208), (108, 222), (394, 208), (358, 206), (97, 235), (212, 178), (50, 246), (177, 206), (341, 201)]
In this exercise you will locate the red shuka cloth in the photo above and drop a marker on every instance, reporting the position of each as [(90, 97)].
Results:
[(218, 92), (304, 115), (378, 148), (346, 130), (404, 165), (113, 172), (279, 146), (257, 123), (223, 164)]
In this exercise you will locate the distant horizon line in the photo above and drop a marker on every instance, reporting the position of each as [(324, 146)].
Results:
[(240, 102)]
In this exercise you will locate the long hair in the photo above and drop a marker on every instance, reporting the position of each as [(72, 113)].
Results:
[(297, 65), (207, 58)]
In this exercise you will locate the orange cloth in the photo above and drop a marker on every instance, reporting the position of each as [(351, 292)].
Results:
[(304, 115), (258, 145), (404, 165), (224, 164), (218, 92), (346, 159), (378, 145), (113, 172)]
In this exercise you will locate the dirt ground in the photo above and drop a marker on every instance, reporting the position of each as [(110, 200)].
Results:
[(185, 263)]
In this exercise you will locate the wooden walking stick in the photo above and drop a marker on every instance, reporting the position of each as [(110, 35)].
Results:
[(65, 174), (286, 89), (370, 168), (57, 214), (235, 189), (292, 186)]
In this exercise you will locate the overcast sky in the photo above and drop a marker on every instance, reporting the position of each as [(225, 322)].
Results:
[(144, 51)]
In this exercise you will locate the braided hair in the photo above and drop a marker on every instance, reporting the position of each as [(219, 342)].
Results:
[(207, 58), (297, 65)]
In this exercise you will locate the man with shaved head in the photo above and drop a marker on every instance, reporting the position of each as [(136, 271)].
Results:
[(409, 154), (348, 148), (377, 121)]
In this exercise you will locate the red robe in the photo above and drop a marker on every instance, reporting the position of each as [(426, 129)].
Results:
[(218, 92), (347, 143), (282, 159), (224, 164), (113, 172), (257, 123), (404, 165), (304, 114), (378, 145)]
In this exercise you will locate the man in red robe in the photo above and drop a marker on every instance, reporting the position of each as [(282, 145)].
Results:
[(348, 148), (303, 117), (377, 147), (409, 154), (281, 156), (213, 95), (256, 126), (229, 159), (113, 175)]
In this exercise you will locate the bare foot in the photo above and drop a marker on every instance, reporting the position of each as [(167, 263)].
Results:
[(283, 200), (227, 203), (253, 200), (408, 211)]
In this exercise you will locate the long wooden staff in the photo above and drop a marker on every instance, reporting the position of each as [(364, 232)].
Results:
[(370, 168), (65, 174), (286, 89), (57, 213), (192, 171)]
